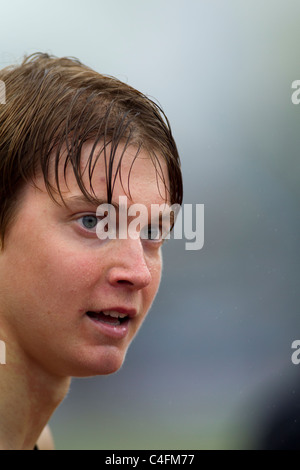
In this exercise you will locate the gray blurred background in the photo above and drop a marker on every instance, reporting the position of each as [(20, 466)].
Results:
[(212, 363)]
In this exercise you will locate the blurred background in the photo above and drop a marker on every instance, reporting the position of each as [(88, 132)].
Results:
[(211, 367)]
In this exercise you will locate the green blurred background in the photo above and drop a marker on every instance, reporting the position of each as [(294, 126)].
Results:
[(212, 363)]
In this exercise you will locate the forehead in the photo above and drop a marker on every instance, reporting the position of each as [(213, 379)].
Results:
[(123, 171)]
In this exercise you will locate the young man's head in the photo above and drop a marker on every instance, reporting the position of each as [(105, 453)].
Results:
[(71, 139)]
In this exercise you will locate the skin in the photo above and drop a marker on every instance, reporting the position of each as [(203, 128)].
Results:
[(52, 271), (45, 441)]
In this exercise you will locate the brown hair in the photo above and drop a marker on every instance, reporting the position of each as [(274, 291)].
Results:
[(54, 102)]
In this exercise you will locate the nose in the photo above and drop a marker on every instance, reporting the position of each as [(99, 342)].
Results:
[(130, 268)]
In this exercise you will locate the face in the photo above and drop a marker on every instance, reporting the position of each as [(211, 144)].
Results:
[(64, 288)]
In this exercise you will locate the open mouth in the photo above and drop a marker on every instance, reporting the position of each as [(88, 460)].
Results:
[(109, 317)]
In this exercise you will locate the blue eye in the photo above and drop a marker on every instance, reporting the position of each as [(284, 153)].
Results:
[(89, 221), (151, 233)]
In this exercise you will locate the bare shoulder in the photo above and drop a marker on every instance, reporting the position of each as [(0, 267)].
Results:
[(45, 441)]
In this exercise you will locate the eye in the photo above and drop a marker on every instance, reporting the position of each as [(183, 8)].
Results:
[(151, 233), (89, 222), (92, 225)]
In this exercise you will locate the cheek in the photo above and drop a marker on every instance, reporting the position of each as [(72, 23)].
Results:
[(49, 276), (155, 268), (67, 273), (40, 259)]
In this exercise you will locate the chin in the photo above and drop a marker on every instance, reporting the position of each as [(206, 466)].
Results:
[(98, 364)]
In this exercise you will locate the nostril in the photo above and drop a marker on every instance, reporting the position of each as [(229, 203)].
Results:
[(133, 277), (124, 281)]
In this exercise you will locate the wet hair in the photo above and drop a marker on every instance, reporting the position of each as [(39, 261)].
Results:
[(55, 105)]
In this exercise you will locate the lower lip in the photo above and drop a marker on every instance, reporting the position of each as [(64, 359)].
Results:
[(116, 332)]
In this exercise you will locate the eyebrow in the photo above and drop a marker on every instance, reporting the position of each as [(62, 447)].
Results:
[(81, 199)]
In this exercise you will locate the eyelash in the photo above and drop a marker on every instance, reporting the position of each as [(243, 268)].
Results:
[(92, 230)]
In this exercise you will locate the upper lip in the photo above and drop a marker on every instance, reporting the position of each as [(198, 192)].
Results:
[(130, 312)]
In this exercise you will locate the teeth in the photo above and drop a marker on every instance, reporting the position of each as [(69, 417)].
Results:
[(112, 313)]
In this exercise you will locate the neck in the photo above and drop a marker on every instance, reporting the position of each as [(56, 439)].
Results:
[(28, 397)]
